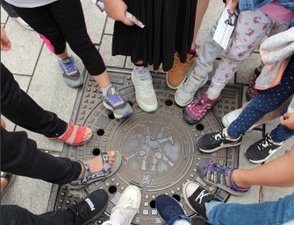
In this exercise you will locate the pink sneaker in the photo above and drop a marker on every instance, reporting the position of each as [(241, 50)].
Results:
[(198, 108)]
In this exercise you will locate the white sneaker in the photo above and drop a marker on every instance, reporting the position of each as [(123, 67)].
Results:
[(145, 94), (129, 203), (185, 93), (233, 115)]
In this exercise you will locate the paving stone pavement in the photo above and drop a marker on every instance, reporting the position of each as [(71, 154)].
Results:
[(36, 70)]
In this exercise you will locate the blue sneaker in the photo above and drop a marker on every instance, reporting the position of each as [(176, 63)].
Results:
[(70, 74), (169, 209), (114, 102)]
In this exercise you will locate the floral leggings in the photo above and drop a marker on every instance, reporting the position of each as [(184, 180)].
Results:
[(267, 101)]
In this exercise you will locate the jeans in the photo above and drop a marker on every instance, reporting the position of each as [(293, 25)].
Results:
[(267, 101), (15, 215), (266, 213)]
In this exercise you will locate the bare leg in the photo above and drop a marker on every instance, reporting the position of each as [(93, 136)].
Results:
[(278, 173)]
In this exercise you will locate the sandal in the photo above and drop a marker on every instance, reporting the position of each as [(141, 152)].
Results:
[(77, 131), (215, 175), (90, 177), (8, 176)]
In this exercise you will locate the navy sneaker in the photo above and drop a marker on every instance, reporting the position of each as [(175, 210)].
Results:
[(90, 208), (262, 150), (169, 209), (217, 140), (114, 102), (198, 220), (70, 74)]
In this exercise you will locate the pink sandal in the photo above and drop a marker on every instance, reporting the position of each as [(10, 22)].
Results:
[(77, 139)]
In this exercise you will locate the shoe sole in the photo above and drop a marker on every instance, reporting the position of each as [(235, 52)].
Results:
[(263, 160), (146, 110), (97, 216), (114, 168), (184, 105), (185, 195), (117, 116), (220, 147)]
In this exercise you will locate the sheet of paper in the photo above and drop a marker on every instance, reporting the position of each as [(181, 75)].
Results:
[(225, 27)]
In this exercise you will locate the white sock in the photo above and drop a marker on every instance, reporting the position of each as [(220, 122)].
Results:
[(117, 217), (181, 222), (142, 73)]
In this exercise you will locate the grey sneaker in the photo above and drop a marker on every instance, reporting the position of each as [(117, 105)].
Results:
[(129, 203), (71, 75), (185, 93), (145, 94), (114, 102)]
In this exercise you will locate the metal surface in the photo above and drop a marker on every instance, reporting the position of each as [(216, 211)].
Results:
[(159, 149)]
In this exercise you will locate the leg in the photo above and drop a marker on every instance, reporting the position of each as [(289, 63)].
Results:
[(266, 213), (18, 107)]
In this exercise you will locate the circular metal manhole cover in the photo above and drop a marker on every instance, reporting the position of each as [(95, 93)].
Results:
[(159, 152)]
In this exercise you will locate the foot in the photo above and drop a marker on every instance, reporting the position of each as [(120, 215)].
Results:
[(176, 76), (169, 209), (217, 140), (71, 75), (98, 168), (75, 135), (90, 208), (219, 176), (198, 108), (114, 102), (145, 94), (196, 196), (262, 150), (127, 206), (185, 93), (6, 180)]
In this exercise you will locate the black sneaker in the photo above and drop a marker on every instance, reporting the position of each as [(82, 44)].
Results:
[(216, 141), (198, 220), (262, 150), (90, 208), (196, 196), (169, 209)]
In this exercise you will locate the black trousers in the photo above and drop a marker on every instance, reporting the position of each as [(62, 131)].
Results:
[(60, 22), (19, 154), (15, 215)]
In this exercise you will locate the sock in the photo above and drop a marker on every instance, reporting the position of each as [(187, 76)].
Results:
[(142, 73), (117, 217), (214, 90), (181, 222), (104, 90)]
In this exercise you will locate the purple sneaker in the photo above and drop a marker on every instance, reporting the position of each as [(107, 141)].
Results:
[(198, 108), (217, 176)]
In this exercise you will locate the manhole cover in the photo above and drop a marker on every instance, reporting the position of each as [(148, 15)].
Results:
[(159, 149)]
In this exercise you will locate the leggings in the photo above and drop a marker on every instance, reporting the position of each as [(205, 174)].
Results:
[(60, 22), (267, 101)]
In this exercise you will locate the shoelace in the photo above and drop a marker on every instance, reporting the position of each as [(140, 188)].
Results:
[(218, 137), (69, 66), (265, 143), (146, 89)]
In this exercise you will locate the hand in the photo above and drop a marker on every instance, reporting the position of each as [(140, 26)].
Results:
[(5, 43), (234, 6), (116, 9), (288, 120)]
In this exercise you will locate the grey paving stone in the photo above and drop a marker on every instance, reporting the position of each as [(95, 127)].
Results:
[(4, 16), (109, 26)]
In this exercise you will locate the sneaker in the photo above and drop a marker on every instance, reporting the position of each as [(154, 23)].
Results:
[(217, 140), (114, 102), (219, 176), (71, 75), (251, 91), (199, 220), (198, 108), (185, 93), (176, 76), (145, 94), (169, 209), (233, 115), (90, 208), (262, 150), (196, 196), (129, 203)]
